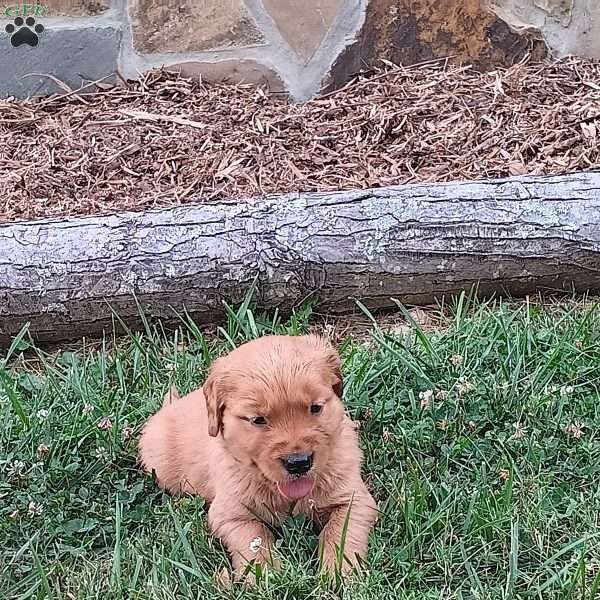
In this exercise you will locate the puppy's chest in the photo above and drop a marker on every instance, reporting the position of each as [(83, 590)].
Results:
[(275, 510)]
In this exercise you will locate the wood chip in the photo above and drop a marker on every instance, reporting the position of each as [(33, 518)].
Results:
[(166, 140)]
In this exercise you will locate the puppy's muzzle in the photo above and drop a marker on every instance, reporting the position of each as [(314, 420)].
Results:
[(298, 463)]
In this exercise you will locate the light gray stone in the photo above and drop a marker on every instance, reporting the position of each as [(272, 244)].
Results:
[(567, 26), (74, 56)]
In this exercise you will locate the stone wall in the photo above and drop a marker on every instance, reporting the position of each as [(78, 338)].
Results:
[(298, 47)]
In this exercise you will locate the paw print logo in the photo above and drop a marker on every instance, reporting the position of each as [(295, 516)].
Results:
[(24, 32)]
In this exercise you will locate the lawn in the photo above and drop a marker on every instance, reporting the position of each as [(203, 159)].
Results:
[(481, 439)]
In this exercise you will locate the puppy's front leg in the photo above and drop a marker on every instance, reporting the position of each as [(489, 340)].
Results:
[(348, 530), (247, 539)]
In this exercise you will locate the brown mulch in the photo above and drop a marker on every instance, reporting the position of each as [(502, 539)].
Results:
[(167, 140)]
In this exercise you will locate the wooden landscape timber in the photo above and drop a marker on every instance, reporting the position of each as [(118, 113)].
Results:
[(413, 243)]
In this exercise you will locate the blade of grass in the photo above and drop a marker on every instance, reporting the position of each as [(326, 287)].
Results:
[(9, 389), (115, 575), (41, 572)]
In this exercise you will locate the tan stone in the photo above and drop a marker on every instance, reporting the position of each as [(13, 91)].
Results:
[(55, 8), (412, 31), (235, 71), (303, 25), (191, 25)]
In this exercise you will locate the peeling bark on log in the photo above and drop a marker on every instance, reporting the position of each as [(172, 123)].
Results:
[(413, 243)]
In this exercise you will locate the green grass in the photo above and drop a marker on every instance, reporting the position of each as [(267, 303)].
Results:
[(488, 493)]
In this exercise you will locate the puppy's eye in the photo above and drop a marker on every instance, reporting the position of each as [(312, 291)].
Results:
[(258, 421), (315, 409)]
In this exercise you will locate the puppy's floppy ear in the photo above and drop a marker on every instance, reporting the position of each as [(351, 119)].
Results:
[(215, 401), (333, 364)]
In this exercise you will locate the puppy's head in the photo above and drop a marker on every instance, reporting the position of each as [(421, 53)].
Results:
[(276, 402)]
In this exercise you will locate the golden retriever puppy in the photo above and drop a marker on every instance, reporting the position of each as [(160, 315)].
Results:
[(267, 436)]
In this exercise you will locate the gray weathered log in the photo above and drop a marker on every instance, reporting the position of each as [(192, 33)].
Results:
[(414, 243)]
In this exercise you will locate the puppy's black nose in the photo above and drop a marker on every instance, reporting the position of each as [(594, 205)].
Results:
[(297, 464)]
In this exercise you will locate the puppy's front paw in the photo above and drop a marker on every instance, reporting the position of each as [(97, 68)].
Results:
[(336, 569)]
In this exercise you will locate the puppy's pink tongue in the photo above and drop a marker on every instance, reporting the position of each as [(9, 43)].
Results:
[(295, 489)]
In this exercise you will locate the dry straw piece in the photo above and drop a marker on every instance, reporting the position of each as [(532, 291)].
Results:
[(167, 140)]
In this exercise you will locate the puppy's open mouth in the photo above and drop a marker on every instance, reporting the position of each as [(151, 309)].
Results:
[(297, 488)]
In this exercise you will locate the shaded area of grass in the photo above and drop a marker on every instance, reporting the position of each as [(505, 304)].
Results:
[(481, 444)]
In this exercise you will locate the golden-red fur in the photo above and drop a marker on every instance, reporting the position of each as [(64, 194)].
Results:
[(204, 443)]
